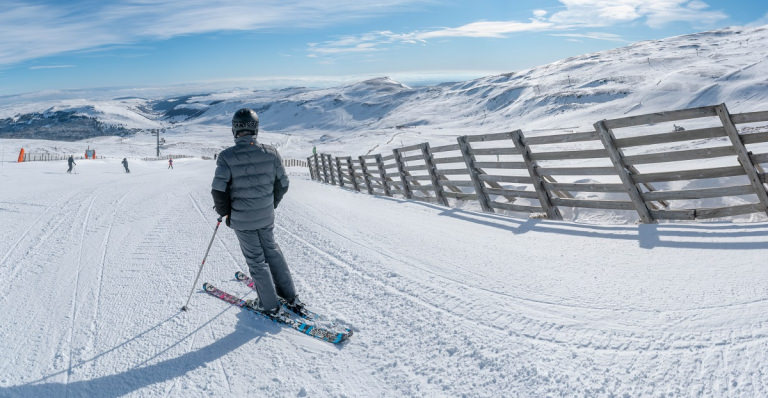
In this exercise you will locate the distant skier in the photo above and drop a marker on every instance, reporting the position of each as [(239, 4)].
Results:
[(125, 164), (248, 184), (70, 163), (170, 164)]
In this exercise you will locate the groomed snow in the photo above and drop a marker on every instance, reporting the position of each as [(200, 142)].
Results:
[(444, 302)]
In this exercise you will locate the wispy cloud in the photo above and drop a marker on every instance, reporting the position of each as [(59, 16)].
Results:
[(374, 41), (654, 13), (577, 14), (32, 30), (487, 29), (50, 67), (592, 35), (351, 44)]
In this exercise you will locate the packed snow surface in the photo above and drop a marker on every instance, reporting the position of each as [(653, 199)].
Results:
[(444, 302)]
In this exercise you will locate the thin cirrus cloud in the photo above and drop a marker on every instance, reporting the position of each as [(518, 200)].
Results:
[(592, 35), (577, 14), (34, 30), (36, 67), (373, 41)]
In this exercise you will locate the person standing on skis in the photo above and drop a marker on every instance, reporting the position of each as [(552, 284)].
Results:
[(248, 184), (170, 164), (70, 163), (125, 164)]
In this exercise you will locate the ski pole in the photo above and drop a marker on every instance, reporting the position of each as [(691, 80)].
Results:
[(184, 308)]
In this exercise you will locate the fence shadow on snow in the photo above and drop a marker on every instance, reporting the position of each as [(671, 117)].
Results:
[(647, 235)]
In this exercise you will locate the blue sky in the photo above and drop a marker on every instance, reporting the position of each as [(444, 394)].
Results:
[(54, 45)]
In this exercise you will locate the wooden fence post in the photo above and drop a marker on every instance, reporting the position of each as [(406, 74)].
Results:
[(383, 174), (309, 166), (338, 171), (366, 176), (317, 167), (401, 170), (322, 168), (538, 184), (469, 160), (325, 168), (330, 169), (743, 155), (432, 169), (352, 176), (609, 142)]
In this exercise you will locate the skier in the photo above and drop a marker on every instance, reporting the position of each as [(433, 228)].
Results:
[(70, 163), (248, 184), (170, 163), (125, 164)]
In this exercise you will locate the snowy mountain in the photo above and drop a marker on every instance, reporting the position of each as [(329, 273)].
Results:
[(728, 65), (443, 301)]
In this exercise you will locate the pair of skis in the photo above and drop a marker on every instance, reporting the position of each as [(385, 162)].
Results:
[(306, 321)]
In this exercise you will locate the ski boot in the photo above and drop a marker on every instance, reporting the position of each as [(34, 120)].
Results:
[(296, 306)]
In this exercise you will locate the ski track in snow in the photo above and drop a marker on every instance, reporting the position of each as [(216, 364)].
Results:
[(444, 303), (73, 311), (24, 235), (47, 231), (438, 292), (103, 267)]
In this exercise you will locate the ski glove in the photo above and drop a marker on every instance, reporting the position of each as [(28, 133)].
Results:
[(222, 202), (279, 191)]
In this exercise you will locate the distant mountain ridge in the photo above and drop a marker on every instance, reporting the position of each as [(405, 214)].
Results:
[(60, 125), (727, 65)]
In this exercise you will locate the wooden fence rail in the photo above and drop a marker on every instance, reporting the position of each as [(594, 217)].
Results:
[(295, 162), (632, 164), (47, 157)]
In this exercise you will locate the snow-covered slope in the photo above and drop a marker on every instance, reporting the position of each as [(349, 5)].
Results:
[(95, 266), (728, 65)]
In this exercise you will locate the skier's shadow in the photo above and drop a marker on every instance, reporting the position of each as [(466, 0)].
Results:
[(131, 380)]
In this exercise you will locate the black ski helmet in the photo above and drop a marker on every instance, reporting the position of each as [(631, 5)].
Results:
[(245, 120)]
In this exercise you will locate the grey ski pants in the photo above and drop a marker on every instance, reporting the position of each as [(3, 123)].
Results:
[(267, 265)]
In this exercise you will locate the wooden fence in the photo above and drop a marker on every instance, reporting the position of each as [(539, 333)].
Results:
[(166, 157), (634, 164), (39, 157), (45, 157), (294, 163)]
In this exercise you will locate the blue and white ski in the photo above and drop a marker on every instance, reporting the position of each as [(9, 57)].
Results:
[(304, 313), (302, 325)]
